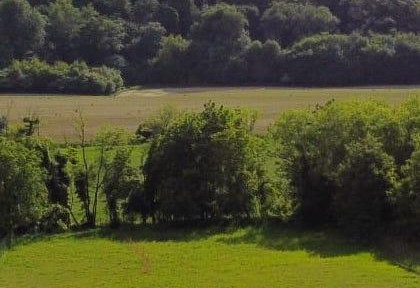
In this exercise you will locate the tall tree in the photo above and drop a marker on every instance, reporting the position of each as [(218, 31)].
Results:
[(288, 22), (205, 165), (142, 49), (63, 31), (100, 36), (217, 39), (169, 18), (21, 30), (144, 10), (187, 11), (170, 62), (121, 181), (23, 193)]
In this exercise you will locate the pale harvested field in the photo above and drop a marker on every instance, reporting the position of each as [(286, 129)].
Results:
[(129, 108)]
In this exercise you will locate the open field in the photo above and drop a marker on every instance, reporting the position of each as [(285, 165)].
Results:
[(129, 108), (247, 257)]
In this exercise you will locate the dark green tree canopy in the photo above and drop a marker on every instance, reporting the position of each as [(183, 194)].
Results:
[(21, 29), (288, 22), (63, 30), (323, 42)]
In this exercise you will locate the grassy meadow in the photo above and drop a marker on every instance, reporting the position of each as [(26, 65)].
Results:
[(272, 255), (127, 109), (201, 257)]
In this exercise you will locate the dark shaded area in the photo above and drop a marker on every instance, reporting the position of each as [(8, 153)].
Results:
[(194, 42)]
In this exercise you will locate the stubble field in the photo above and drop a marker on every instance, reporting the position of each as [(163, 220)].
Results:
[(127, 109)]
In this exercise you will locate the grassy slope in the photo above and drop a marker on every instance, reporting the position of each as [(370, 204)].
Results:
[(57, 113), (247, 257)]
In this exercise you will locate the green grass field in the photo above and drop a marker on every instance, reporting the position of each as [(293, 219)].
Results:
[(246, 257)]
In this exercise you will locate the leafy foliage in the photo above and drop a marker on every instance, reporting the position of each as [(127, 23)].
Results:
[(289, 22), (23, 195), (55, 220), (365, 176), (309, 42), (120, 181), (39, 76), (21, 30), (343, 160), (205, 166)]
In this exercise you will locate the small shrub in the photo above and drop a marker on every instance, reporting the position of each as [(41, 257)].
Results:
[(55, 220), (156, 125)]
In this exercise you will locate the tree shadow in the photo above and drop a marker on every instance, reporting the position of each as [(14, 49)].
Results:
[(153, 233), (326, 243), (280, 237), (22, 240), (321, 243), (398, 252)]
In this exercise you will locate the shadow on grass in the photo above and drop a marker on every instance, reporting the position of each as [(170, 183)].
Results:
[(275, 237), (318, 243), (279, 237), (154, 233), (401, 253)]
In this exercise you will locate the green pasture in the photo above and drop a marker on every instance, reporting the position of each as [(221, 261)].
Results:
[(174, 257)]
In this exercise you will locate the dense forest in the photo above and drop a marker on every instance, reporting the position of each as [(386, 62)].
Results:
[(91, 46)]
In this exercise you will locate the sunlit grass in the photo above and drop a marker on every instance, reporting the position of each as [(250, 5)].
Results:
[(161, 257)]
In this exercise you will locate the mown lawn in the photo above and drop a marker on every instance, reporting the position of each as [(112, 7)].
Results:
[(160, 257)]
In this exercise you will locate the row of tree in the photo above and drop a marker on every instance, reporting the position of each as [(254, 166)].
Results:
[(351, 165), (304, 42)]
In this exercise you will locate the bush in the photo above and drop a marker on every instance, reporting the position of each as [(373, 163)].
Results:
[(138, 204), (23, 194), (205, 166), (38, 76), (156, 125), (55, 220), (120, 181), (406, 198), (364, 178), (312, 144)]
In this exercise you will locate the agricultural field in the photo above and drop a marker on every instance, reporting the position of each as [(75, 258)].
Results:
[(127, 109), (202, 257)]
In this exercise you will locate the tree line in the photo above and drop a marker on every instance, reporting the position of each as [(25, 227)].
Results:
[(191, 42), (352, 166)]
